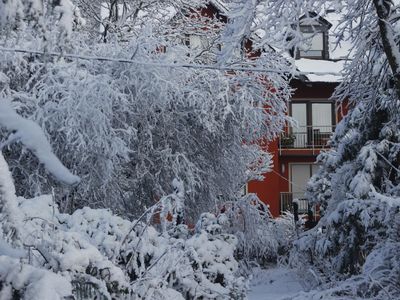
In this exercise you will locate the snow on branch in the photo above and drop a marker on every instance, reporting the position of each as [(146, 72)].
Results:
[(32, 136), (238, 28), (13, 13)]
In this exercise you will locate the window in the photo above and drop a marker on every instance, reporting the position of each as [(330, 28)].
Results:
[(321, 114), (238, 51), (299, 113), (244, 190), (313, 45), (197, 44), (300, 174), (315, 123)]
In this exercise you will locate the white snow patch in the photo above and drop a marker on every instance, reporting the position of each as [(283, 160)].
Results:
[(274, 284), (326, 70)]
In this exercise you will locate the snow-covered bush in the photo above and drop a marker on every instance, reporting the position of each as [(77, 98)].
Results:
[(18, 279), (45, 254), (284, 230), (261, 238), (201, 266)]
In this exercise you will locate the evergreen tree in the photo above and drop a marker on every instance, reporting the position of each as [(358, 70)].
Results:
[(358, 184)]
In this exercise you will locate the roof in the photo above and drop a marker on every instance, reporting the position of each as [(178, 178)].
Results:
[(316, 70), (317, 19), (324, 70)]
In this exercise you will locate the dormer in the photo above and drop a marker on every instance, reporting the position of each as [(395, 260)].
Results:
[(315, 31)]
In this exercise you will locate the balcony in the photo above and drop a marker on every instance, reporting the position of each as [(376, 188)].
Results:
[(286, 202), (306, 137)]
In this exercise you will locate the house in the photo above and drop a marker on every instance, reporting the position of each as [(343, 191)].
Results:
[(319, 62), (295, 152)]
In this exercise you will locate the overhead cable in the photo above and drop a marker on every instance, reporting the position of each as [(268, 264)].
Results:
[(158, 64)]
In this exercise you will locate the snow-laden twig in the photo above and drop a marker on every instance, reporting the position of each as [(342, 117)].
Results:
[(32, 136)]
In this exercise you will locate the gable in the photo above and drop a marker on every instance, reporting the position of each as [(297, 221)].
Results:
[(314, 20)]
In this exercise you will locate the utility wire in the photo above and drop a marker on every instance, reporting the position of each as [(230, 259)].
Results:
[(156, 64)]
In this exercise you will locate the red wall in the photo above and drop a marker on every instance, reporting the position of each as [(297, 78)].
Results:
[(268, 190), (275, 181)]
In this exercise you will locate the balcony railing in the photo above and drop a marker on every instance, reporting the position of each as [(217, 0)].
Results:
[(306, 137), (286, 202)]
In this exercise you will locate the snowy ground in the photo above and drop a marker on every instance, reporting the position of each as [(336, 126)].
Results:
[(274, 284)]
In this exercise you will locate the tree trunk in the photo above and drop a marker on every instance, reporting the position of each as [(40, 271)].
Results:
[(383, 9)]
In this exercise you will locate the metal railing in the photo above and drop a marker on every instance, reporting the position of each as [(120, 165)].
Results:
[(286, 202), (306, 137)]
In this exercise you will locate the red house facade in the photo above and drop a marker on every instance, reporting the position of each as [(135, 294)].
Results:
[(316, 115), (295, 152)]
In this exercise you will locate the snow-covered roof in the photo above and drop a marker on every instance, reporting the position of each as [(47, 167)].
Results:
[(323, 70), (317, 70)]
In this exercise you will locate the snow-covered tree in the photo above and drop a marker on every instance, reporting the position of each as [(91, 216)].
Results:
[(128, 129), (358, 184)]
